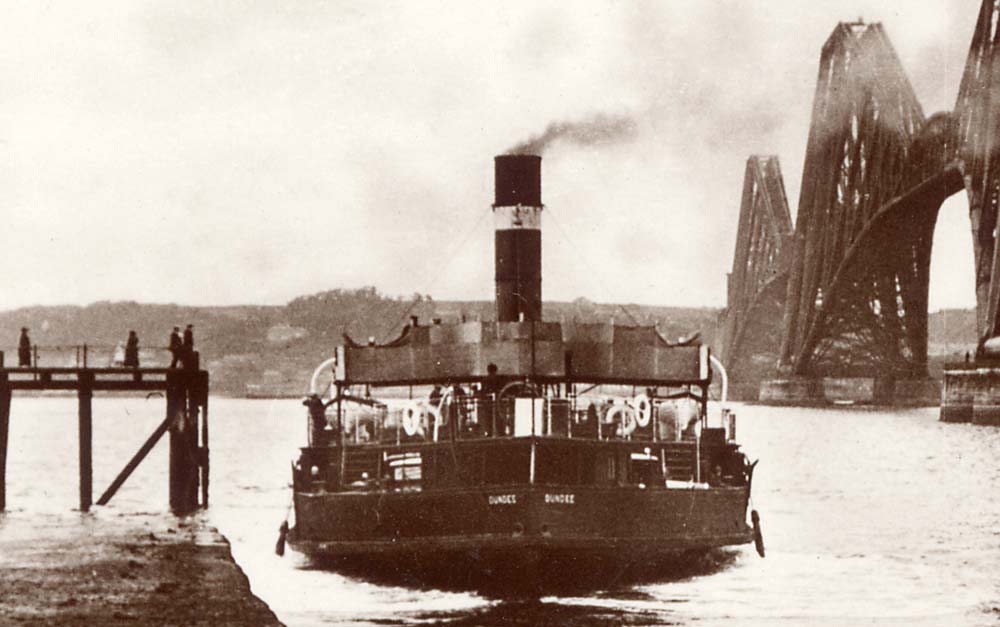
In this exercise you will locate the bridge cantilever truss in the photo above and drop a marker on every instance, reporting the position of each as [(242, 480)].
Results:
[(876, 173), (757, 283)]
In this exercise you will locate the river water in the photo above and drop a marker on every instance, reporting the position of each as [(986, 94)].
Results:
[(869, 517)]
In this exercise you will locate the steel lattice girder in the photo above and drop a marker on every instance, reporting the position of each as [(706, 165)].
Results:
[(978, 113), (874, 178), (759, 260), (865, 115)]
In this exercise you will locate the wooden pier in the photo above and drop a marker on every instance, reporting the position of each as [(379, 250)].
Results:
[(186, 393)]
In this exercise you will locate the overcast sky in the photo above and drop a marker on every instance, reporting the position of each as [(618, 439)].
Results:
[(238, 152)]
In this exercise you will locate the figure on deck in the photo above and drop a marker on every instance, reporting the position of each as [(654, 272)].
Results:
[(318, 434), (458, 415), (24, 349), (434, 399), (132, 350), (488, 390), (176, 346)]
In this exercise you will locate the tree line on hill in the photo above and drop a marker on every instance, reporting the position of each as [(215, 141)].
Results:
[(255, 350)]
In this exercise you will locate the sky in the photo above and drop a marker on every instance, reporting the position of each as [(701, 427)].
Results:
[(214, 153)]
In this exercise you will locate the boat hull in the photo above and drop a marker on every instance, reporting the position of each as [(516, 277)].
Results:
[(519, 535)]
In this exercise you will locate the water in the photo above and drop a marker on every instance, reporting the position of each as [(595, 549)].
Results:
[(869, 517)]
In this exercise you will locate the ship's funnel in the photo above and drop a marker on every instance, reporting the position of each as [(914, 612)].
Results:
[(517, 218)]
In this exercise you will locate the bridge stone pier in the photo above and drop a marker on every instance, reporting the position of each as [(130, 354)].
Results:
[(834, 309), (972, 393), (850, 391)]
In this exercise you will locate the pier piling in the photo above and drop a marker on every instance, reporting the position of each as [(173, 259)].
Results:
[(85, 394), (203, 395), (4, 427), (182, 408)]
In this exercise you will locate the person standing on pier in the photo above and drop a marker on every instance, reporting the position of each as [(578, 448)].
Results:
[(188, 346), (24, 349), (175, 346), (132, 350)]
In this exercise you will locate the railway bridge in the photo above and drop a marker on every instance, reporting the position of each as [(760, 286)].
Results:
[(841, 298)]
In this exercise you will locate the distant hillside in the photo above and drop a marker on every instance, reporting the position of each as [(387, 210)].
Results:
[(272, 350), (951, 331), (258, 350)]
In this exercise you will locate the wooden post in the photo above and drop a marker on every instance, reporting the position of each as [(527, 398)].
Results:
[(193, 470), (342, 470), (85, 394), (175, 415), (192, 385), (203, 395), (4, 426), (183, 442)]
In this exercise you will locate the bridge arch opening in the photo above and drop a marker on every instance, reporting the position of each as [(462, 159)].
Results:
[(951, 299)]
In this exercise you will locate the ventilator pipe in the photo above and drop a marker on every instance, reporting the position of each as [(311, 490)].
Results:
[(319, 369), (725, 377)]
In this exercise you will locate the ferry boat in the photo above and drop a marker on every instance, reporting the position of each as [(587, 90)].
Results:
[(518, 449)]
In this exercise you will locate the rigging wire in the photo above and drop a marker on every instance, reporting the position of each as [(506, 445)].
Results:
[(457, 247), (593, 271), (371, 308)]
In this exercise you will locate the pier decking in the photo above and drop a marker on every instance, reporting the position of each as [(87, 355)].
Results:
[(131, 570)]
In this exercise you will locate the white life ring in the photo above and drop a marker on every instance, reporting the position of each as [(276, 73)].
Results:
[(411, 418), (627, 425), (643, 410), (433, 413)]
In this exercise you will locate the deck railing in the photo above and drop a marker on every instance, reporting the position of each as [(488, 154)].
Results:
[(485, 416)]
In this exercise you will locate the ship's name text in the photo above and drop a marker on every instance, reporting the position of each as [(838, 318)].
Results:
[(562, 499), (503, 499)]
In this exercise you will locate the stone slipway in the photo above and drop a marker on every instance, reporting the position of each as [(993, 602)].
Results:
[(86, 570)]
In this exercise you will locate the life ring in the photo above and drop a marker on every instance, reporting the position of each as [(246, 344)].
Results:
[(411, 418), (627, 420), (643, 410)]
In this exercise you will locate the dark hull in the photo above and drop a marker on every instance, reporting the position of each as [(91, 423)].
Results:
[(519, 536)]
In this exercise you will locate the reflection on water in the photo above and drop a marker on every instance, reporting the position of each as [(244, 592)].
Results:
[(869, 517)]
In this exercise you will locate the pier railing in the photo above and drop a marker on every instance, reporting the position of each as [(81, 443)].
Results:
[(85, 356)]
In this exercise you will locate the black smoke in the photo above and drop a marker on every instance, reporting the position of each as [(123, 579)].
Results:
[(597, 130)]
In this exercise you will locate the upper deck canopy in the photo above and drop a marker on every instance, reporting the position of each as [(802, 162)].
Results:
[(582, 352)]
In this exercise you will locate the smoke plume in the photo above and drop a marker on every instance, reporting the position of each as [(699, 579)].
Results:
[(599, 129)]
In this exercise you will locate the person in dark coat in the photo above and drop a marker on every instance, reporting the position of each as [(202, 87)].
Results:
[(24, 349), (488, 390), (176, 346), (132, 350), (318, 434), (434, 398), (188, 346)]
